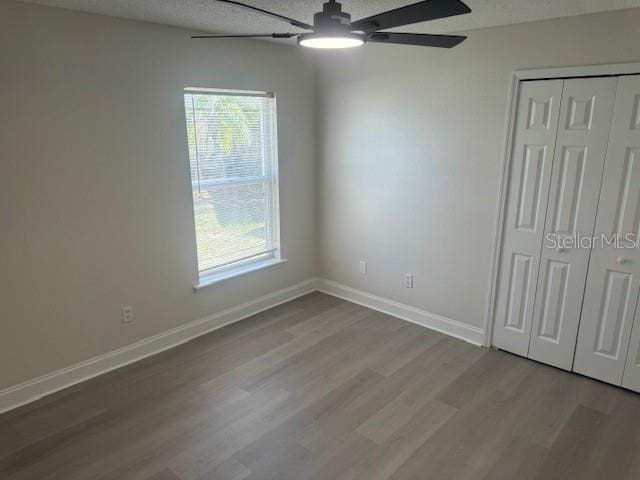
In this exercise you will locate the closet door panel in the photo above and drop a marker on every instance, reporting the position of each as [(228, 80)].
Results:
[(611, 294), (631, 378), (607, 318), (581, 146), (532, 157)]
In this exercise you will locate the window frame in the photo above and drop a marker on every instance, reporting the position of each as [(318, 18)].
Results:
[(271, 180)]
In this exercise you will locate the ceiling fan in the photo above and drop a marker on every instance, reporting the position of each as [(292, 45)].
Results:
[(333, 28)]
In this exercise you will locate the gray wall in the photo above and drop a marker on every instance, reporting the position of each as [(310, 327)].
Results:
[(411, 144), (95, 201)]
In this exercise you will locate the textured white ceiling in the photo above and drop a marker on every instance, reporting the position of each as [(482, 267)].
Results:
[(212, 16)]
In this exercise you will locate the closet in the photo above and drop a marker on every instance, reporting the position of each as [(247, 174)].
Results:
[(569, 274)]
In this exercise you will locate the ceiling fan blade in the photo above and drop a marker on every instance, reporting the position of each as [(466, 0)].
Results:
[(250, 35), (420, 39), (418, 12), (290, 21)]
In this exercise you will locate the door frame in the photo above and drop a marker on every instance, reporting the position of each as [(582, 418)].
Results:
[(518, 76)]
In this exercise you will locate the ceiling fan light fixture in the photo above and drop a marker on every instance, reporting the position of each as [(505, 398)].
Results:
[(333, 29), (331, 41)]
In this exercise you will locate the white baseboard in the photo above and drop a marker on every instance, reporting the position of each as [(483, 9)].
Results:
[(32, 390), (411, 314), (37, 388)]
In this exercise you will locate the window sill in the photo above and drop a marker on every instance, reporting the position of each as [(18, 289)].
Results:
[(237, 272)]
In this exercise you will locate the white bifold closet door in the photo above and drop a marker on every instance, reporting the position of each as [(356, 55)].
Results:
[(533, 147), (611, 296), (560, 142), (581, 147)]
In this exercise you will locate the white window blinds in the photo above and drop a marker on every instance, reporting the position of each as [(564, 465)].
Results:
[(232, 153)]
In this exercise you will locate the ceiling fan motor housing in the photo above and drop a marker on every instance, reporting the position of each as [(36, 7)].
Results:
[(332, 19)]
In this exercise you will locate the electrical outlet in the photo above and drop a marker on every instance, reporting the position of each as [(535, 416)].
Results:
[(362, 267), (408, 280), (127, 314)]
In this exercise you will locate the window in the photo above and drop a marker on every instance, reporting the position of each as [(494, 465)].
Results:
[(234, 178)]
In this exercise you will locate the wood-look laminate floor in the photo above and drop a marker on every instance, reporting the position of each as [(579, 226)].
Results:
[(320, 388)]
